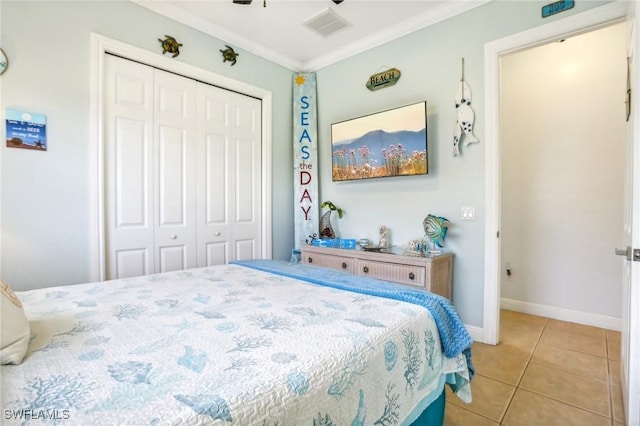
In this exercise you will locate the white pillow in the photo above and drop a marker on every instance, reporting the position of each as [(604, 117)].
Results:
[(14, 327)]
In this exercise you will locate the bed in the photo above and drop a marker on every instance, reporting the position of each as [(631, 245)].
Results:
[(255, 342)]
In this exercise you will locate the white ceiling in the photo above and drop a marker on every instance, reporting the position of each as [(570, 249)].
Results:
[(277, 32)]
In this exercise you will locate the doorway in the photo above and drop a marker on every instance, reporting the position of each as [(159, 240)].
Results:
[(572, 25), (562, 139)]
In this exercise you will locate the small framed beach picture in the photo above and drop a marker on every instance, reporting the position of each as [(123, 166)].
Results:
[(26, 130)]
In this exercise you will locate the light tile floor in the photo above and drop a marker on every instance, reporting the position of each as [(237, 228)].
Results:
[(543, 372)]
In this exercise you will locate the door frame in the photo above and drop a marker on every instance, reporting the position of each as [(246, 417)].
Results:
[(101, 45), (562, 28)]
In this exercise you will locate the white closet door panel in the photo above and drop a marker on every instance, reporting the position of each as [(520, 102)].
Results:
[(132, 262), (175, 179), (246, 180), (247, 212), (246, 116), (128, 168), (215, 176), (131, 90), (245, 249), (217, 253), (173, 258), (175, 97), (172, 155), (216, 104), (131, 198)]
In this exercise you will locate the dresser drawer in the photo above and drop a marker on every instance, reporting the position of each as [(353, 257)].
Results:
[(428, 273), (404, 274), (329, 261)]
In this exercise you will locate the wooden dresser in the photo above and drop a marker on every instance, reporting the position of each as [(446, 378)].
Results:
[(432, 273)]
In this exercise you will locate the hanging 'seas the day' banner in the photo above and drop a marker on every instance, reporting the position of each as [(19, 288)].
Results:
[(305, 157)]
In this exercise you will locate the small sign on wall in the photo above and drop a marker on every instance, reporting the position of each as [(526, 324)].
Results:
[(305, 157), (26, 130), (556, 7), (383, 79)]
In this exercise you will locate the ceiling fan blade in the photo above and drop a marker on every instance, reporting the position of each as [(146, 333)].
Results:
[(242, 1)]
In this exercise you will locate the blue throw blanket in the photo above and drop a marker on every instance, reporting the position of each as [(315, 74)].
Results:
[(453, 334)]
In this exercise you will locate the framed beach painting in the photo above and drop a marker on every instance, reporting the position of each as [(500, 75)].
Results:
[(383, 144)]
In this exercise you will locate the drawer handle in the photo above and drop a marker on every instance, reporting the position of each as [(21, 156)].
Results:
[(344, 265), (365, 269), (412, 276), (309, 259)]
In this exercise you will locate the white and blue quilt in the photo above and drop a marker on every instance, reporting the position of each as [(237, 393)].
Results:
[(231, 344)]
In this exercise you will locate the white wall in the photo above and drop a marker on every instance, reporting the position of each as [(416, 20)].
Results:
[(45, 195), (563, 146), (430, 64)]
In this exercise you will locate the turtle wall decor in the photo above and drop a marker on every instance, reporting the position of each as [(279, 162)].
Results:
[(171, 45), (229, 54)]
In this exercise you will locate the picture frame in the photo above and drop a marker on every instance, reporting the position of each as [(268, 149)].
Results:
[(26, 130), (383, 144), (4, 62)]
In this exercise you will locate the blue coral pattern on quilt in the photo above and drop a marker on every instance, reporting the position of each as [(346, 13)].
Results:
[(226, 345)]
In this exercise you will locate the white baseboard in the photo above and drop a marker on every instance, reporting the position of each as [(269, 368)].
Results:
[(476, 333), (595, 320)]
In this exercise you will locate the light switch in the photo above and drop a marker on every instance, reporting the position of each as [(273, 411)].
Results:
[(468, 213)]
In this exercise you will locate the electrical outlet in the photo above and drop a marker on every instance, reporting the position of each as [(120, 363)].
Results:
[(468, 213)]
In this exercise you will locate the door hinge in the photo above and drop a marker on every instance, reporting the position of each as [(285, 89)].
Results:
[(636, 255)]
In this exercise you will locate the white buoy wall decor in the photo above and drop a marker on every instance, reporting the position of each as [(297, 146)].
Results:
[(465, 117)]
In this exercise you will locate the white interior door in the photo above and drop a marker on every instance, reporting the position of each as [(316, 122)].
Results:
[(150, 170), (129, 202), (183, 172), (175, 172), (229, 176), (630, 341)]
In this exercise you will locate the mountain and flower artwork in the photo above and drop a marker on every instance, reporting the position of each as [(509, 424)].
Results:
[(26, 130), (387, 143)]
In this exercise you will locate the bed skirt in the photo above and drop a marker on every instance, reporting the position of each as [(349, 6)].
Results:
[(434, 413)]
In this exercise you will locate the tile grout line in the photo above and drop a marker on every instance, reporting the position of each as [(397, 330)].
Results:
[(608, 381), (517, 385), (528, 361)]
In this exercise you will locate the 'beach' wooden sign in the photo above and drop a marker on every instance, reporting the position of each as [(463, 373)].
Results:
[(383, 79)]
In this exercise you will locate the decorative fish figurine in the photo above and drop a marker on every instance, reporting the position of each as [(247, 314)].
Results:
[(435, 227), (465, 117)]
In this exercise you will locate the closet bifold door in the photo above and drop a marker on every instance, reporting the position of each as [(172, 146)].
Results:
[(149, 170), (229, 182), (183, 172), (128, 168), (175, 172)]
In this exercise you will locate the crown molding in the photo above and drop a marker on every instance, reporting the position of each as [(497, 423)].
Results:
[(424, 20), (178, 14), (433, 16)]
